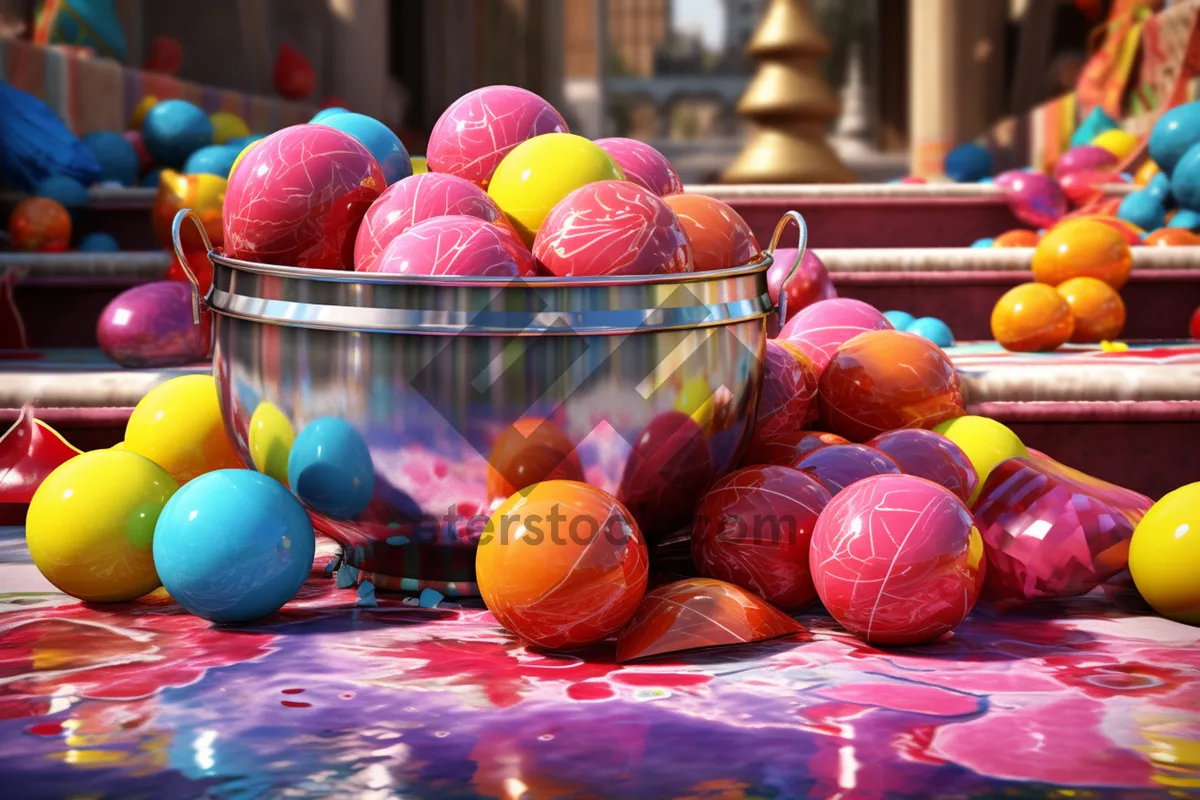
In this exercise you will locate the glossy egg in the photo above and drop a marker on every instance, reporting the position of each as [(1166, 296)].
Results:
[(789, 447), (819, 330), (1084, 158), (174, 129), (39, 225), (1176, 131), (90, 525), (455, 246), (562, 565), (531, 451), (1018, 237), (643, 165), (840, 465), (986, 443), (897, 560), (720, 238), (1098, 309), (1171, 237), (612, 228), (202, 193), (1032, 317), (330, 468), (270, 441), (1164, 555), (1116, 141), (382, 143), (1083, 247), (788, 399), (809, 284), (668, 470), (932, 456), (178, 425), (233, 546), (151, 326), (1035, 199)]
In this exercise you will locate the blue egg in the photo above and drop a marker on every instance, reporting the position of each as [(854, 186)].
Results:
[(326, 113), (1187, 219), (215, 159), (983, 243), (900, 319), (233, 546), (118, 160), (69, 192), (1173, 135), (1185, 180), (173, 130), (98, 242), (1160, 187), (934, 330), (330, 468), (988, 179), (1143, 209), (378, 138), (152, 179), (967, 163)]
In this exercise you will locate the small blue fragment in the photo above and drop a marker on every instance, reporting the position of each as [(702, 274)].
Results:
[(397, 541), (347, 576), (366, 595), (431, 597)]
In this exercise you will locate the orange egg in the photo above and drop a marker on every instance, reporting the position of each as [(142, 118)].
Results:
[(562, 565), (720, 237), (1081, 247), (1144, 173), (531, 451), (1130, 232), (1099, 311), (1032, 317), (1171, 237), (1020, 237), (39, 224)]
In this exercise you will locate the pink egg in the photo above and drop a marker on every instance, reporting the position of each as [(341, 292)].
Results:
[(455, 245), (1086, 185), (1035, 199), (820, 329), (1085, 158), (612, 228), (896, 559), (298, 198), (151, 326), (787, 401), (643, 165), (416, 199), (810, 284), (480, 128)]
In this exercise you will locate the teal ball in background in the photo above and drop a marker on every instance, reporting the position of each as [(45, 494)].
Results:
[(900, 319), (1187, 219), (1143, 209), (66, 191), (968, 163), (240, 143), (1176, 132), (1185, 180), (330, 468), (233, 546), (982, 243), (326, 113), (98, 242), (173, 130), (118, 160), (379, 140), (1160, 187), (934, 330), (215, 159)]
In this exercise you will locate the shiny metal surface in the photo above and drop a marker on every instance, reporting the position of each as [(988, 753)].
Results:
[(434, 373)]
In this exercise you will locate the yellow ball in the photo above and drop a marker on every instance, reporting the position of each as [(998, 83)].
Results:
[(697, 401), (271, 440), (178, 426), (90, 525), (1116, 141), (986, 443), (118, 446), (540, 171), (242, 155), (227, 126), (1164, 555), (419, 165), (140, 110)]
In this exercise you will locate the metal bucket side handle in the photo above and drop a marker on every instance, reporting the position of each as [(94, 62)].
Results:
[(177, 241), (801, 246)]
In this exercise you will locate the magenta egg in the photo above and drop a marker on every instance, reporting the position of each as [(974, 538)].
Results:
[(415, 199), (643, 165), (479, 129), (821, 328), (151, 326), (1085, 158), (837, 466), (298, 198), (897, 560), (788, 399), (455, 245), (929, 455), (612, 228), (1035, 199), (810, 284)]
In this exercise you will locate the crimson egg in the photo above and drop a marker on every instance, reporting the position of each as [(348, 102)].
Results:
[(455, 246), (809, 284), (788, 399)]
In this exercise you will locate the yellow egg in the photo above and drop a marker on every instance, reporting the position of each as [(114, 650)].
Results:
[(140, 110), (419, 165), (271, 440), (986, 443), (1164, 555), (1116, 141), (227, 126), (242, 155), (697, 401), (178, 426), (90, 525), (118, 446), (540, 171)]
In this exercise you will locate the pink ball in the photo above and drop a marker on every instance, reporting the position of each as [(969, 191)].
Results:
[(1085, 158), (415, 199), (810, 284), (612, 228), (480, 128), (298, 198), (643, 165), (1035, 199), (1084, 186), (897, 560), (821, 328), (455, 246)]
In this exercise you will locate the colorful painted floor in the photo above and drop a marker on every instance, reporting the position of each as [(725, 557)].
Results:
[(143, 700)]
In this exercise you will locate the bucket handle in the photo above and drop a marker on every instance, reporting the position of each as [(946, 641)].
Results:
[(802, 245), (177, 241)]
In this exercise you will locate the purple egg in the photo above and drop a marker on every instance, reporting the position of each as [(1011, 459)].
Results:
[(1084, 158), (1035, 199), (810, 284), (151, 326)]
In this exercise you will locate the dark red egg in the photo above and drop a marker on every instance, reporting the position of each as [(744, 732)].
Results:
[(788, 448), (643, 164), (930, 455), (668, 469), (788, 399), (840, 465), (455, 246), (810, 284)]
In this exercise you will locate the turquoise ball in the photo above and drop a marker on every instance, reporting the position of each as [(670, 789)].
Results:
[(379, 140), (330, 468), (900, 319), (1176, 132), (173, 130), (934, 330)]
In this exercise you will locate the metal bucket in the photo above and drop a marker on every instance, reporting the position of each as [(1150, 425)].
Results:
[(644, 386)]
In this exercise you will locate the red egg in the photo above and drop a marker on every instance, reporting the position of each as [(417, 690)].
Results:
[(897, 560), (929, 455), (533, 450), (612, 228), (643, 165), (145, 161), (819, 330), (883, 380), (788, 399), (753, 529), (720, 238), (1194, 325), (1085, 186), (298, 198), (415, 199), (840, 465), (455, 246), (668, 470), (810, 284), (480, 128), (787, 449)]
